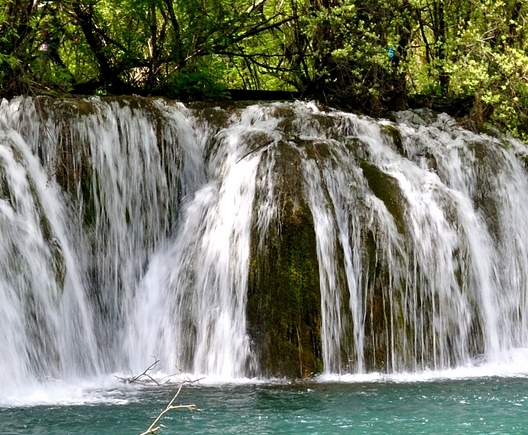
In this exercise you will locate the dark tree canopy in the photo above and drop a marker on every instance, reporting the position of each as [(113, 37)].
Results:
[(368, 55)]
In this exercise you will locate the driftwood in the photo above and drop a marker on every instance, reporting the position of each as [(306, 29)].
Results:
[(138, 378), (153, 428)]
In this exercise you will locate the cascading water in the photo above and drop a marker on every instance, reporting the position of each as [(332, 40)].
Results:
[(272, 240), (45, 319), (197, 284)]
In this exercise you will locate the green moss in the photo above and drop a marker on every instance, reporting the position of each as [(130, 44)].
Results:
[(357, 147), (387, 189), (376, 346), (488, 170), (390, 336), (288, 119), (316, 150), (63, 108), (323, 122), (215, 116), (524, 160), (255, 141), (432, 162), (284, 111), (284, 299), (392, 135)]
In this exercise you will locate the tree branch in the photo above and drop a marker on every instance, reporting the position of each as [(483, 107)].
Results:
[(152, 429)]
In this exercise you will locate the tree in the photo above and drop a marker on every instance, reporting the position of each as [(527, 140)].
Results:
[(352, 53), (29, 32), (170, 47), (368, 55)]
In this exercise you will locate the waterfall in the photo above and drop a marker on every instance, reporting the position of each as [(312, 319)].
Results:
[(266, 240), (196, 285), (45, 318)]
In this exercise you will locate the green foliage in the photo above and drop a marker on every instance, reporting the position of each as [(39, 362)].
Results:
[(200, 81), (371, 55), (484, 55), (351, 53)]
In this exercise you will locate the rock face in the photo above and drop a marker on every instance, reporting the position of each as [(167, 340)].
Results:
[(284, 298), (270, 240)]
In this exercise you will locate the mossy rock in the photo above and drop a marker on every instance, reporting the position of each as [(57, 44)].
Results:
[(324, 123), (357, 147), (389, 336), (376, 312), (388, 190), (315, 150), (255, 141), (392, 135), (214, 115), (488, 158), (287, 119), (284, 301), (65, 108)]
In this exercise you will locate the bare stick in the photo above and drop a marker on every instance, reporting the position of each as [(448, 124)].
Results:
[(133, 379), (153, 428)]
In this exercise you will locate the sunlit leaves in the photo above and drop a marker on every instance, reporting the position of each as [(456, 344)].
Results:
[(369, 54)]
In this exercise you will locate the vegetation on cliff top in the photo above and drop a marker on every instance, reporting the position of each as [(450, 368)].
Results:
[(368, 55)]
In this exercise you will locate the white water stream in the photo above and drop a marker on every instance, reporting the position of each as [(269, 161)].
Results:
[(126, 232)]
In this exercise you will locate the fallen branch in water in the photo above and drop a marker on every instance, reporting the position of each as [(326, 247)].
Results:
[(137, 378), (153, 428)]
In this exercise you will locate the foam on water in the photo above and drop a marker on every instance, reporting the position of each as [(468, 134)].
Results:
[(513, 364), (71, 392), (111, 390)]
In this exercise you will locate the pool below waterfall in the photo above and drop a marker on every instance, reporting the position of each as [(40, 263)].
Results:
[(398, 406)]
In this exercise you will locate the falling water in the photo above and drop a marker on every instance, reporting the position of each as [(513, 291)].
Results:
[(46, 322), (129, 229), (196, 285)]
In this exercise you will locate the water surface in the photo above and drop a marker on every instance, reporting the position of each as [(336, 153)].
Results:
[(470, 406)]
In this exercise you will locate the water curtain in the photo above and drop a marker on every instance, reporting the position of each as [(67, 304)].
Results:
[(267, 240)]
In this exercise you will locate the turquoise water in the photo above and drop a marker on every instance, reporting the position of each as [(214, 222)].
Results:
[(475, 406)]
